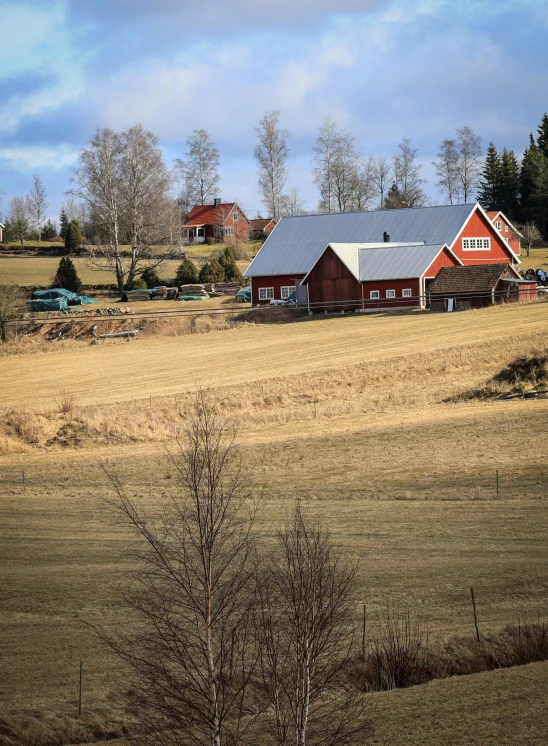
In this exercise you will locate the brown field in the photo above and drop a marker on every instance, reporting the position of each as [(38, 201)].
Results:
[(345, 413)]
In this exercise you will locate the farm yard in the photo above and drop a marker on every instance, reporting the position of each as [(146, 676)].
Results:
[(368, 420)]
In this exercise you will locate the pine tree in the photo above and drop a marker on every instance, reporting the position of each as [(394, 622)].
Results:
[(73, 239), (67, 277), (187, 274), (509, 185), (63, 224), (489, 193), (229, 266), (529, 179)]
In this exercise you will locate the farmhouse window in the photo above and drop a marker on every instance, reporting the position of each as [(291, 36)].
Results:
[(266, 293), (498, 225), (218, 231), (236, 217), (229, 230), (506, 229), (286, 290), (390, 293), (476, 244), (374, 294), (406, 293)]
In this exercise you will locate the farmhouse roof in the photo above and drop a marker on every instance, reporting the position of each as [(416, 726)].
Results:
[(259, 224), (471, 279), (209, 214), (297, 242)]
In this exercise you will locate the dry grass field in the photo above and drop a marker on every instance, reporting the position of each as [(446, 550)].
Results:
[(347, 414)]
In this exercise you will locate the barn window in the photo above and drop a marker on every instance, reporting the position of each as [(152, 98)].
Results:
[(406, 293), (374, 294), (286, 290), (506, 229), (390, 293), (266, 293), (476, 244), (498, 225)]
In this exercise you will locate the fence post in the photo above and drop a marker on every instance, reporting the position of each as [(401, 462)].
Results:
[(475, 614), (364, 632), (80, 691)]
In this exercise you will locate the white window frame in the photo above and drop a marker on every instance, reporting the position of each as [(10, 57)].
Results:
[(374, 295), (229, 230), (498, 226), (266, 293), (218, 231), (235, 217), (286, 290), (407, 293), (390, 293), (476, 243), (506, 229)]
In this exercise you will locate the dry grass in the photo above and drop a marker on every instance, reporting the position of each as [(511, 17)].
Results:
[(538, 258), (345, 413)]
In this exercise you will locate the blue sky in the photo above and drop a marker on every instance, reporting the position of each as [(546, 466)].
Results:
[(383, 69)]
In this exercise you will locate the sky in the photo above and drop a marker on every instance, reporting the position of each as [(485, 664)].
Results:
[(383, 69)]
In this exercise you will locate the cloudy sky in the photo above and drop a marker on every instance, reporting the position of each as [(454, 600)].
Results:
[(383, 69)]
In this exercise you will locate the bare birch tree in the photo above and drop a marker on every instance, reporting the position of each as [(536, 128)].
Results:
[(193, 593), (292, 203), (447, 170), (124, 182), (307, 599), (382, 175), (469, 161), (38, 205), (19, 218), (337, 167), (407, 175), (528, 233), (365, 189), (199, 169), (271, 155)]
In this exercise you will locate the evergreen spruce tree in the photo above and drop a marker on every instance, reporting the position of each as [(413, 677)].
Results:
[(48, 231), (187, 274), (542, 139), (212, 272), (509, 185), (67, 277), (489, 193), (151, 278), (230, 268), (529, 179), (63, 224), (73, 239)]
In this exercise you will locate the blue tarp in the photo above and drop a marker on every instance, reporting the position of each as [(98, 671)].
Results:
[(71, 298)]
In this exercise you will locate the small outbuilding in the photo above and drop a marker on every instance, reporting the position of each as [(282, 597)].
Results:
[(477, 286)]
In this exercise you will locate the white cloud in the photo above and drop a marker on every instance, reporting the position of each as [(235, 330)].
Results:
[(31, 158), (41, 47)]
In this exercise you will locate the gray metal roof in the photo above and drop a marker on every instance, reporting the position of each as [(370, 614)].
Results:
[(396, 263), (296, 243)]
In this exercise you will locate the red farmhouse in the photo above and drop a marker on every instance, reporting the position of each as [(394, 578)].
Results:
[(296, 245), (510, 234), (221, 222)]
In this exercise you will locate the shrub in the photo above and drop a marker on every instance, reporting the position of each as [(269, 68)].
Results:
[(228, 264), (212, 272), (138, 284), (67, 277), (187, 273), (73, 239), (151, 278)]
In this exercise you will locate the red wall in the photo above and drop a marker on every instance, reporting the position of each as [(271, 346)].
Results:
[(271, 282), (506, 232), (444, 259), (398, 301), (477, 227)]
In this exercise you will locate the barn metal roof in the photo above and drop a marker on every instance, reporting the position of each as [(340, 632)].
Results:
[(397, 263), (296, 243)]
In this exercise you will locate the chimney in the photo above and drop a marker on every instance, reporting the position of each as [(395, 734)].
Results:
[(386, 237), (216, 202)]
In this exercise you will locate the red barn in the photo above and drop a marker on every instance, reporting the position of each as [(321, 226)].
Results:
[(297, 242), (355, 277), (221, 222)]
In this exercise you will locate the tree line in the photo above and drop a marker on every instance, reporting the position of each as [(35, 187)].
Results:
[(123, 194)]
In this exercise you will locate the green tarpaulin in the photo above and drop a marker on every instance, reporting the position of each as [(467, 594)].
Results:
[(48, 304)]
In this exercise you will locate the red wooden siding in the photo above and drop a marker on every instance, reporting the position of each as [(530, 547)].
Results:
[(480, 227), (443, 259), (399, 301), (331, 281), (276, 282)]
